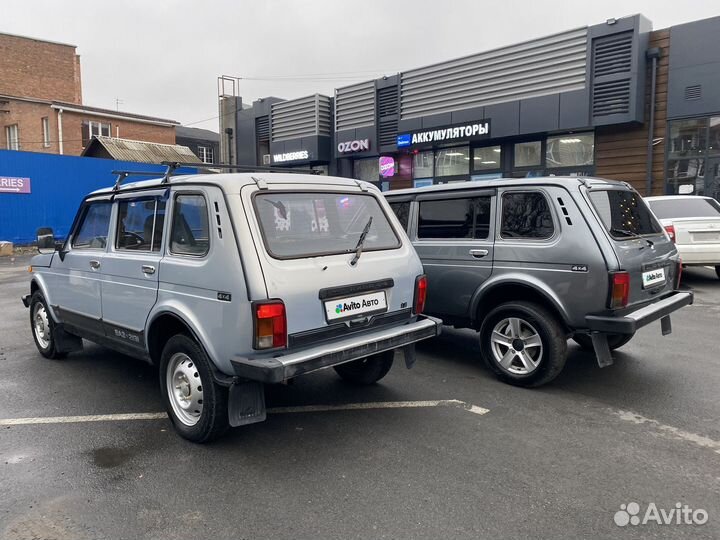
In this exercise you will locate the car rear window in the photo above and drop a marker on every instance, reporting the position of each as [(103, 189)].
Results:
[(685, 208), (624, 213), (296, 225)]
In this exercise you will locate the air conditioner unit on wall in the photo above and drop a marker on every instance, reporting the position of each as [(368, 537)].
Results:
[(266, 159)]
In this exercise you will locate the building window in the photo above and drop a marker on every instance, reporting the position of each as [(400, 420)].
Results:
[(366, 169), (528, 154), (12, 136), (452, 161), (423, 164), (46, 131), (99, 129), (487, 158), (206, 154), (693, 149), (571, 150)]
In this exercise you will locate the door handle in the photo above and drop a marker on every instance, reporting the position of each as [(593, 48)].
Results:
[(147, 269), (478, 253), (94, 264)]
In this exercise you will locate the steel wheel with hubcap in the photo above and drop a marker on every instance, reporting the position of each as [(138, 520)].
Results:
[(523, 343), (196, 404), (184, 387), (43, 327)]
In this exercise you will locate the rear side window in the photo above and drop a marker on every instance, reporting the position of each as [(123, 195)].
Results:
[(685, 208), (402, 211), (623, 213), (296, 225), (92, 232), (455, 218), (140, 224), (190, 233), (526, 215)]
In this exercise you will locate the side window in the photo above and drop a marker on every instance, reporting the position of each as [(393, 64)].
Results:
[(452, 218), (140, 224), (190, 228), (93, 229), (402, 211), (526, 215)]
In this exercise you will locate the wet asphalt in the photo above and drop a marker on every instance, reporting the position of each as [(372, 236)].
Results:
[(554, 462)]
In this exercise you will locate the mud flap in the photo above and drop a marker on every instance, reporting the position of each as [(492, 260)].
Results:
[(246, 403), (666, 325), (66, 342), (602, 349), (409, 352)]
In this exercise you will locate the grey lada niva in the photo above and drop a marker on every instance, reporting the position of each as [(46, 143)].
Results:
[(228, 281), (530, 263)]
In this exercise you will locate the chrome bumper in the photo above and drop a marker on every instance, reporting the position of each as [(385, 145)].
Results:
[(281, 368)]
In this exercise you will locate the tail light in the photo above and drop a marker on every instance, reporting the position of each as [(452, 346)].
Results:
[(270, 325), (679, 273), (670, 230), (420, 294), (619, 289)]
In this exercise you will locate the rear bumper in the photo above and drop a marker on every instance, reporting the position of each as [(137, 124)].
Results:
[(629, 323), (281, 368), (699, 254)]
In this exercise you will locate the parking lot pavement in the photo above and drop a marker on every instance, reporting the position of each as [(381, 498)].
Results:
[(552, 462)]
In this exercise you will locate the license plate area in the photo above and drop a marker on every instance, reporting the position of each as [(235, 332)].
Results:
[(706, 236), (353, 307), (654, 278)]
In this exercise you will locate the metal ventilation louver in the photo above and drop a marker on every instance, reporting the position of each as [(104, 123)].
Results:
[(355, 106), (302, 117), (611, 97), (693, 92), (388, 107), (613, 55), (262, 128)]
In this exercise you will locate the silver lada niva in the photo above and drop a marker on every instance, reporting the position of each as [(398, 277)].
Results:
[(229, 281)]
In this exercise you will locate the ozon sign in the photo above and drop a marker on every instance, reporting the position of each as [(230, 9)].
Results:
[(348, 147)]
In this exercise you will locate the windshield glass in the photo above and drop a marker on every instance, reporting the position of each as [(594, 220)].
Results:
[(298, 225), (685, 208), (624, 213)]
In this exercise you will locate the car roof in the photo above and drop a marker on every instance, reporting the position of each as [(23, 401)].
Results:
[(568, 181), (675, 197), (232, 182)]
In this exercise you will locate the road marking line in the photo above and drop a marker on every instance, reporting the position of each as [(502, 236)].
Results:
[(670, 431), (276, 410)]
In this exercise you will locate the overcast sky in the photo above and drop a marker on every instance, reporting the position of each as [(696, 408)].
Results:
[(163, 58)]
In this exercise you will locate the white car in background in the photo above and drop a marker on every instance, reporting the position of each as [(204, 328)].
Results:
[(693, 223)]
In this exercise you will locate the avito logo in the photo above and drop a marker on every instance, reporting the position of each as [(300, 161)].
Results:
[(350, 306)]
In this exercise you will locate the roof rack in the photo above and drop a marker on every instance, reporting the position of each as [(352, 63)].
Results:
[(241, 168)]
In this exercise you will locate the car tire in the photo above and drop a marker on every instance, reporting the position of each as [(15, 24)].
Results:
[(514, 328), (366, 370), (43, 327), (195, 403), (615, 341)]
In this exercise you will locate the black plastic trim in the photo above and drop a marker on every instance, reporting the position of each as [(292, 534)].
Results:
[(357, 288)]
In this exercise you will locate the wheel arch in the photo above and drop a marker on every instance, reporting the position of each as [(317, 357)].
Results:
[(37, 284), (162, 327), (512, 288)]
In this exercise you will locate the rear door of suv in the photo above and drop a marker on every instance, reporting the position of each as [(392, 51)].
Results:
[(641, 245), (453, 235)]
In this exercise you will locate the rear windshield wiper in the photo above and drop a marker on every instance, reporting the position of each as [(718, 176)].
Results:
[(630, 234), (361, 241)]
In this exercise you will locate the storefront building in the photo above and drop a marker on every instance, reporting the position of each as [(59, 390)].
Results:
[(615, 99)]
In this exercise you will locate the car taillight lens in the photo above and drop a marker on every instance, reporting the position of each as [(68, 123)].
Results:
[(270, 325), (620, 289), (670, 230), (420, 294)]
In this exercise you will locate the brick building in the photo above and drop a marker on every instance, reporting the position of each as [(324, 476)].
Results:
[(41, 107)]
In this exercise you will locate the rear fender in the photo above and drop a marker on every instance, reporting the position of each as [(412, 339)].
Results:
[(519, 281)]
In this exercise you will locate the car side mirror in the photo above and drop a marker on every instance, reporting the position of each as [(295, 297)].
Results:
[(46, 240)]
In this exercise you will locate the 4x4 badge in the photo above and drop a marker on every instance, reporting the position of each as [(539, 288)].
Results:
[(224, 296), (579, 268)]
